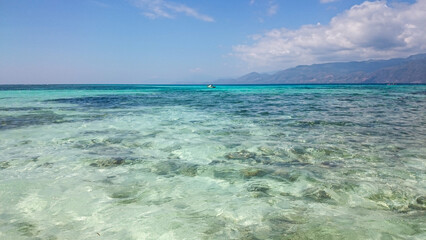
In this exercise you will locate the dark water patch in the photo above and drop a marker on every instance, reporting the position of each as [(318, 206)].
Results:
[(110, 151), (296, 155), (125, 101), (248, 105), (214, 228), (190, 170), (25, 142), (322, 123), (13, 109), (241, 155), (418, 204), (415, 206), (347, 99), (111, 162), (96, 87), (174, 167), (145, 145), (227, 174), (316, 233), (345, 186), (216, 162), (35, 119), (317, 195), (113, 140), (291, 175), (103, 102), (419, 93), (290, 164), (271, 152), (165, 168), (254, 172), (298, 150), (171, 148), (243, 112), (393, 199), (249, 233), (130, 200), (105, 146), (280, 221), (108, 137), (27, 229), (45, 165), (124, 193), (331, 164), (153, 134), (330, 151), (96, 132), (258, 189), (286, 175), (95, 143), (4, 165), (421, 200)]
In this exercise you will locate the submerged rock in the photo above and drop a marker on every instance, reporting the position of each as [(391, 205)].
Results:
[(46, 164), (165, 168), (285, 175), (227, 174), (298, 150), (27, 229), (253, 172), (109, 162), (421, 200), (123, 193), (4, 165), (189, 170), (241, 155), (419, 203), (395, 200), (258, 187), (283, 220), (175, 167), (330, 164), (214, 162), (318, 195), (417, 207)]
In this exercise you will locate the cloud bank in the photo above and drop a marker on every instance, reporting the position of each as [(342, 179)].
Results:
[(370, 30), (166, 9)]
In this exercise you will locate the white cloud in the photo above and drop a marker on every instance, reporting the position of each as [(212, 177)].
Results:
[(273, 9), (369, 30), (166, 9), (328, 1), (270, 7)]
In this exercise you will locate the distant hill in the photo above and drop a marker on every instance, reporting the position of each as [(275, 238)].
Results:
[(398, 70)]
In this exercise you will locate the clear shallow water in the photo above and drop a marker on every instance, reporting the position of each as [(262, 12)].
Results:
[(235, 162)]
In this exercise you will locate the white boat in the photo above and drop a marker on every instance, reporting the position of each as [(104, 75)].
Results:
[(211, 86)]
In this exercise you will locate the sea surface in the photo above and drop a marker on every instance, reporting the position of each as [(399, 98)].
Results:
[(234, 162)]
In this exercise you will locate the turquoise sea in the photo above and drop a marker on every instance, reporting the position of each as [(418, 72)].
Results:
[(234, 162)]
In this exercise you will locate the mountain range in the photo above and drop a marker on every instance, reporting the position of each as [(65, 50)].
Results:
[(394, 71)]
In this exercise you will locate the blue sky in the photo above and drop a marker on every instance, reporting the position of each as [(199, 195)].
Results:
[(162, 41)]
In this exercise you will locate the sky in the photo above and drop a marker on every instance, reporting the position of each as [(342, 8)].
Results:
[(192, 41)]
